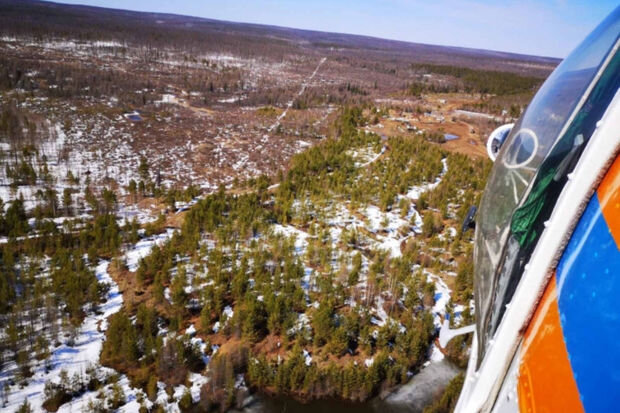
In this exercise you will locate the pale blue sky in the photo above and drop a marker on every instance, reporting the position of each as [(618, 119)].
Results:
[(548, 28)]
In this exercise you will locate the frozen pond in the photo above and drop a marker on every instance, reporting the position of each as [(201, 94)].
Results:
[(412, 397)]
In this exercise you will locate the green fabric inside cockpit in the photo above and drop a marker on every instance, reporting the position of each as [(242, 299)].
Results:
[(527, 220)]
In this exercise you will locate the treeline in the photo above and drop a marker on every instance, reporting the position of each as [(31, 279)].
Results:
[(67, 387), (483, 81), (512, 104), (138, 349), (133, 88), (350, 381), (40, 21), (418, 88), (64, 81), (514, 110), (446, 402)]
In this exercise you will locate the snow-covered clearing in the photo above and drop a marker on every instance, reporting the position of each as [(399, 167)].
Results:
[(84, 352), (74, 358), (143, 248), (301, 237), (442, 297), (374, 158), (415, 191)]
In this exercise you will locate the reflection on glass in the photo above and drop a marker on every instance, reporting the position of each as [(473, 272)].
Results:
[(499, 254)]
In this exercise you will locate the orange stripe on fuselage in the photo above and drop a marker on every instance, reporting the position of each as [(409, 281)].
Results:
[(609, 198), (546, 381)]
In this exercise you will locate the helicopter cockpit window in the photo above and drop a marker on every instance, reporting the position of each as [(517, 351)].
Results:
[(531, 167)]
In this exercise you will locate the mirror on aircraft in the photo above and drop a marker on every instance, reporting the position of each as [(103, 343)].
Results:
[(496, 140)]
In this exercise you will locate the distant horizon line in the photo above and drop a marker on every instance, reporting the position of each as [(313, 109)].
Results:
[(559, 59)]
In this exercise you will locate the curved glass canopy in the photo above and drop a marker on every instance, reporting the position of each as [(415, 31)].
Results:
[(531, 168)]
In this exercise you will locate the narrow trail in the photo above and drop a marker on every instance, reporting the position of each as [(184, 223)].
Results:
[(304, 85), (384, 148)]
